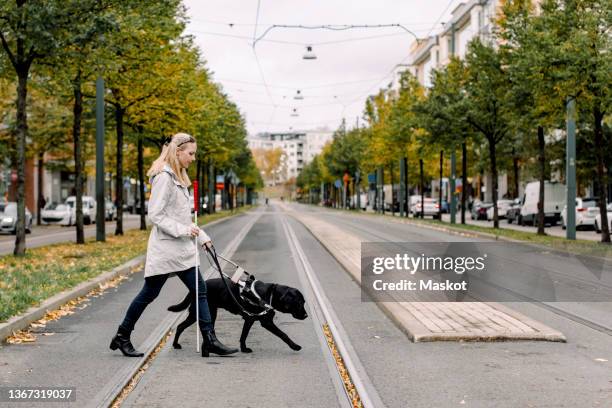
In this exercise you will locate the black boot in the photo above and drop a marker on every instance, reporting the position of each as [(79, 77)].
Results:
[(122, 341), (212, 345)]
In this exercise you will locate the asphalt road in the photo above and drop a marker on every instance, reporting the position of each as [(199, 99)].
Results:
[(53, 234), (441, 374)]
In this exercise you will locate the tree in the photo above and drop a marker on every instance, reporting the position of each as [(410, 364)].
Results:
[(29, 31), (486, 103), (142, 46), (442, 115), (559, 53), (269, 161)]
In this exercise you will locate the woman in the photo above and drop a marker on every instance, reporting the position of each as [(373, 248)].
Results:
[(171, 248)]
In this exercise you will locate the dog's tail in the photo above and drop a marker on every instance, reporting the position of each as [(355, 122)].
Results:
[(181, 306)]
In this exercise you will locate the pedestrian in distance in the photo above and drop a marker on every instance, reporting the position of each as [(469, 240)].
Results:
[(170, 249)]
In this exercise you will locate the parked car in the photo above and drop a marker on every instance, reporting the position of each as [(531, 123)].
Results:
[(584, 218), (56, 213), (89, 209), (147, 206), (110, 211), (445, 206), (513, 211), (363, 201), (432, 208), (554, 200), (479, 210), (396, 206), (8, 218), (502, 207), (598, 223), (412, 201)]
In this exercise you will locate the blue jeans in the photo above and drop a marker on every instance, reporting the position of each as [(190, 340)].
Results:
[(150, 291)]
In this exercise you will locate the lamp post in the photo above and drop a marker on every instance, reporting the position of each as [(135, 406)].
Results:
[(570, 169), (100, 202)]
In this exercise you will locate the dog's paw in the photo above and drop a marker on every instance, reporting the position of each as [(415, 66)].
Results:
[(296, 347), (177, 346), (246, 350)]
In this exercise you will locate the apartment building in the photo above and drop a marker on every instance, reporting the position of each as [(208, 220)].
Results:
[(469, 20), (299, 148)]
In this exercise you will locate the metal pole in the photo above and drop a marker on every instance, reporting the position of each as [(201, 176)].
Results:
[(453, 196), (570, 167), (402, 186), (357, 189), (422, 213), (100, 202)]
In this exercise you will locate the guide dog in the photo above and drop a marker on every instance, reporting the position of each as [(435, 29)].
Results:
[(284, 299)]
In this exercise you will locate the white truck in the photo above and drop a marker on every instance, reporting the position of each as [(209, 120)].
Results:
[(554, 201)]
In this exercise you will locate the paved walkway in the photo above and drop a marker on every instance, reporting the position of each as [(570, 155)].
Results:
[(431, 321)]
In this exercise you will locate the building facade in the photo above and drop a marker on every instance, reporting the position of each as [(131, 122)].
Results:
[(469, 20), (299, 148)]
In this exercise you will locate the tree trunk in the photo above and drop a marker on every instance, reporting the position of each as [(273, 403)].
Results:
[(119, 112), (463, 180), (515, 168), (382, 190), (110, 188), (492, 153), (77, 112), (143, 222), (422, 214), (392, 195), (440, 185), (542, 163), (601, 175), (39, 201), (22, 131)]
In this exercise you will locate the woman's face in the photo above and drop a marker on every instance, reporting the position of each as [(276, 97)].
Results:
[(187, 155)]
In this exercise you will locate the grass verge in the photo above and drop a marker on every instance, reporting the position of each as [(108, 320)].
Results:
[(578, 246), (46, 271)]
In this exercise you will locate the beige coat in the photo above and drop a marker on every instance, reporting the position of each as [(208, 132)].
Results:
[(171, 248)]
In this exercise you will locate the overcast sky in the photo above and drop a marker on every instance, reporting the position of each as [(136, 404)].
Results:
[(334, 85)]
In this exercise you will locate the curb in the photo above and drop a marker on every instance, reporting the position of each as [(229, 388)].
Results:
[(464, 233), (34, 313), (23, 320)]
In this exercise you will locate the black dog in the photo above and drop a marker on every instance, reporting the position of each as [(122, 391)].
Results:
[(285, 299)]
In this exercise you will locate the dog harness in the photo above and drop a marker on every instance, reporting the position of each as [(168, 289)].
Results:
[(246, 286), (249, 294)]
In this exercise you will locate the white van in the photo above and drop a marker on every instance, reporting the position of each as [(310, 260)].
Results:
[(89, 209), (554, 201)]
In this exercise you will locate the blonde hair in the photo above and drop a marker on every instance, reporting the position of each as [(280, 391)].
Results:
[(168, 157)]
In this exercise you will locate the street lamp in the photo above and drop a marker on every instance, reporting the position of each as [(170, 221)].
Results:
[(309, 54)]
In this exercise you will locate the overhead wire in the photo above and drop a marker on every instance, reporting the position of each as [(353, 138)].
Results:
[(267, 87)]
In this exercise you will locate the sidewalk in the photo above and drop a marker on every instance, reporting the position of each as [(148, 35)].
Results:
[(429, 321), (555, 231)]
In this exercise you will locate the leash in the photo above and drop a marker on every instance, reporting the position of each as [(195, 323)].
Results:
[(243, 287)]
